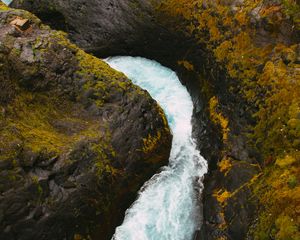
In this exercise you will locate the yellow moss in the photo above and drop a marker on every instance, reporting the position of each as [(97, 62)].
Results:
[(222, 195), (163, 116), (150, 143), (188, 66), (265, 11), (218, 118), (287, 228), (242, 18), (92, 65), (78, 237), (286, 161), (281, 200), (31, 118), (3, 7), (222, 51), (273, 90), (222, 238), (225, 165)]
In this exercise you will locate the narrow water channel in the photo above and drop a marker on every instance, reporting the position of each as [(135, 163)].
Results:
[(167, 205)]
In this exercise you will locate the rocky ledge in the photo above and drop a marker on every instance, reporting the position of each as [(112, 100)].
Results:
[(77, 138)]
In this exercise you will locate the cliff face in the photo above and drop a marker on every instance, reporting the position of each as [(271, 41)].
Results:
[(104, 27), (252, 85), (240, 60), (72, 134)]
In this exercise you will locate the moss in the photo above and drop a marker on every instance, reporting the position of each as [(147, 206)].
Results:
[(222, 51), (3, 7), (105, 154), (186, 64), (92, 65), (151, 142), (78, 236), (292, 8), (265, 75), (286, 161), (292, 182), (218, 118), (225, 165), (163, 116), (278, 191), (221, 196), (286, 228)]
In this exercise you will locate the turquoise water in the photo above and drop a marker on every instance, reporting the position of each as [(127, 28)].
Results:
[(7, 1), (167, 206)]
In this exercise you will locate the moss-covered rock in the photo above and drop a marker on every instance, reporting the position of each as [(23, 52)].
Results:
[(255, 45), (240, 60), (72, 136)]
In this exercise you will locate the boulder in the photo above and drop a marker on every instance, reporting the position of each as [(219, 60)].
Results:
[(72, 132)]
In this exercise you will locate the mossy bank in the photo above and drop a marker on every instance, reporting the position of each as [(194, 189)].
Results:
[(74, 133)]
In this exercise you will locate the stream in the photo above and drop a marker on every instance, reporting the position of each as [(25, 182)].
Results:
[(167, 206)]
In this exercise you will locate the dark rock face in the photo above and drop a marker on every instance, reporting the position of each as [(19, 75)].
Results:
[(105, 27), (71, 134), (133, 28), (236, 213)]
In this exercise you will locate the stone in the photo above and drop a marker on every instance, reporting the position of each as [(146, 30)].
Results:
[(21, 23), (64, 166)]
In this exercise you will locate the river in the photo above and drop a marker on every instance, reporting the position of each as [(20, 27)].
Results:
[(167, 207)]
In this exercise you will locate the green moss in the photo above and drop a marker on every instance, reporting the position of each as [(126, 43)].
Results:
[(92, 65), (292, 8), (286, 228)]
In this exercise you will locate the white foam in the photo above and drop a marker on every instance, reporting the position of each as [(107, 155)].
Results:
[(167, 205)]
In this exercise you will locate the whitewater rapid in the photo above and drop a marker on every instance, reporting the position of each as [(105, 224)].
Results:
[(167, 205)]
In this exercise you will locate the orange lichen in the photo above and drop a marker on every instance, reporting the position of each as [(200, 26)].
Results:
[(188, 66), (222, 195), (218, 118), (267, 76), (225, 165), (150, 143)]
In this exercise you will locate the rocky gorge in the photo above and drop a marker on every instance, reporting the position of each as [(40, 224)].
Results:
[(240, 62)]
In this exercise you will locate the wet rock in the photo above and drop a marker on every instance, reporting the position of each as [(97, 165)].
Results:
[(109, 27), (65, 167), (112, 30)]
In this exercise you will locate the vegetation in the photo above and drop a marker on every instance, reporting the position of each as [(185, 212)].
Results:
[(225, 165), (186, 64), (292, 8), (267, 76), (150, 143), (218, 118), (3, 6)]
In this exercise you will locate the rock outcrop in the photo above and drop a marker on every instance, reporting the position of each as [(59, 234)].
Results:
[(74, 136), (104, 27), (247, 61), (240, 61)]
